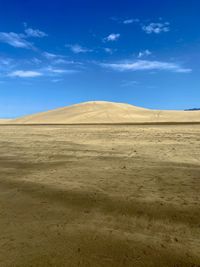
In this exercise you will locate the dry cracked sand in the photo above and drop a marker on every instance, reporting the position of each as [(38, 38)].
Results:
[(100, 196)]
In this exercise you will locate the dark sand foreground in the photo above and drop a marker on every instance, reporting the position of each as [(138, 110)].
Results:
[(100, 196)]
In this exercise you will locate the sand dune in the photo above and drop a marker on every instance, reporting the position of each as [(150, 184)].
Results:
[(108, 112), (3, 121)]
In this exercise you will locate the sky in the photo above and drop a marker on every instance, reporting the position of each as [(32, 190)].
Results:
[(58, 53)]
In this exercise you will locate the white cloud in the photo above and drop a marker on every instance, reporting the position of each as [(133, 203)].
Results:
[(48, 71), (76, 48), (156, 28), (125, 21), (57, 80), (19, 40), (15, 40), (108, 50), (50, 55), (62, 61), (144, 53), (112, 37), (35, 33), (57, 59), (36, 61), (5, 61), (25, 74), (54, 70), (59, 71), (130, 21), (143, 65)]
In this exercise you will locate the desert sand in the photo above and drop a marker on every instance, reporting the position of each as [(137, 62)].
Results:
[(108, 112), (5, 121), (95, 195)]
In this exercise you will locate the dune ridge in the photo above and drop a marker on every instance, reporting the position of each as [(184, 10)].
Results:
[(2, 121), (107, 112)]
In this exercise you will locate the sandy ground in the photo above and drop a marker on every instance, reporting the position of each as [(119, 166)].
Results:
[(100, 196), (5, 121)]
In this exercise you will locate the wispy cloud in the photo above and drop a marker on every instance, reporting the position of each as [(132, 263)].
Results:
[(25, 74), (145, 65), (35, 33), (130, 21), (48, 71), (49, 55), (15, 39), (34, 67), (35, 61), (57, 59), (19, 40), (156, 28), (109, 50), (144, 53), (57, 80), (112, 37), (30, 32), (125, 20), (77, 49), (59, 71), (5, 61)]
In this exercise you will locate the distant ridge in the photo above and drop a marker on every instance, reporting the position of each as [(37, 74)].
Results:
[(99, 112), (192, 109), (3, 121)]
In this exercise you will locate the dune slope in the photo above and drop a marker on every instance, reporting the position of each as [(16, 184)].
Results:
[(5, 121), (108, 112)]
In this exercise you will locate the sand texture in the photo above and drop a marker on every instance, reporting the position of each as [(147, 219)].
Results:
[(100, 196)]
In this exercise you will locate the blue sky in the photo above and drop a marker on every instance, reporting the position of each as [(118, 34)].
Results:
[(57, 53)]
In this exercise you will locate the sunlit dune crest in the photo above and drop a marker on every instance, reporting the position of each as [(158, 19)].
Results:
[(108, 112)]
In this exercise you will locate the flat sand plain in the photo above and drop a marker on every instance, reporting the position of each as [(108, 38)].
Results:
[(100, 196)]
